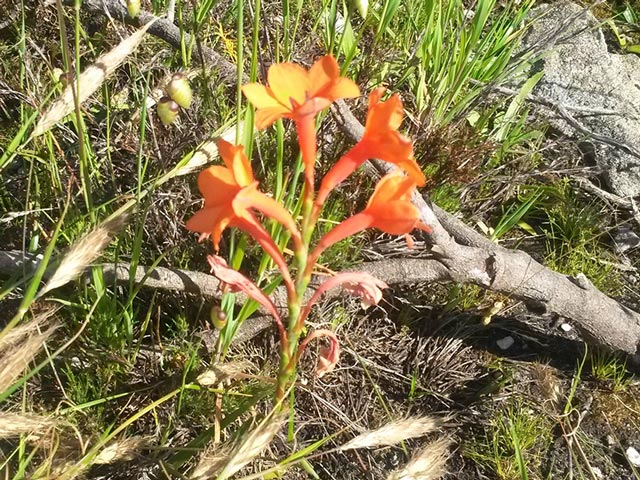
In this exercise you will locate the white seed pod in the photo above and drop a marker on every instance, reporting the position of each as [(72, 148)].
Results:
[(167, 110), (133, 8), (180, 91)]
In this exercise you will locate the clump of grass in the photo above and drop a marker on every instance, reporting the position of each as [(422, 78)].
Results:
[(513, 443), (574, 239), (610, 369)]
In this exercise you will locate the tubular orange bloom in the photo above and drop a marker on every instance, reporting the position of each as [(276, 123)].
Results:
[(389, 209), (230, 194), (294, 92), (381, 140)]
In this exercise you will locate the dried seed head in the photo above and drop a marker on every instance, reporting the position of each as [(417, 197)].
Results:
[(121, 450), (210, 463), (17, 350), (252, 445), (133, 8), (428, 464), (83, 252), (180, 91), (167, 110), (15, 424), (394, 432)]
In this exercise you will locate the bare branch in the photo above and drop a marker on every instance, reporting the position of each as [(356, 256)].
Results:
[(469, 257)]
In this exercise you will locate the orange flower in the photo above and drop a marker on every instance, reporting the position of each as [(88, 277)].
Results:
[(389, 209), (230, 194), (294, 92), (381, 140)]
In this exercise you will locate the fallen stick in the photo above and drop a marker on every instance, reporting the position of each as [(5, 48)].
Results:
[(469, 257)]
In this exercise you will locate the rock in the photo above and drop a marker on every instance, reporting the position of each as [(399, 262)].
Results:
[(565, 327), (505, 343), (633, 456), (625, 239), (601, 90)]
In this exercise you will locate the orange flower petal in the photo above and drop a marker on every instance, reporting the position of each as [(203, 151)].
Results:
[(385, 115), (288, 81), (352, 225), (270, 208), (344, 167), (201, 222), (396, 218), (235, 159), (265, 117), (393, 186), (322, 73), (250, 225), (211, 221), (414, 171), (343, 88), (260, 96), (217, 185)]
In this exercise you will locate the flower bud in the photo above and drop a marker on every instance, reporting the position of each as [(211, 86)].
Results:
[(167, 110), (362, 6), (218, 317), (57, 74), (179, 90), (133, 8)]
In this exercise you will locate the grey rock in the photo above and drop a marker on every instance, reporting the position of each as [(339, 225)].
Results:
[(599, 89)]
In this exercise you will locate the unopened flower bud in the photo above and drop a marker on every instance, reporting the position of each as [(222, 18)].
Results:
[(218, 317), (167, 110), (57, 74), (362, 6), (179, 90), (133, 8)]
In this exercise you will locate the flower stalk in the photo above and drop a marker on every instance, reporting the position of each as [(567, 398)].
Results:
[(232, 199)]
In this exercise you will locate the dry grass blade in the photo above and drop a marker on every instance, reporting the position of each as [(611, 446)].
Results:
[(90, 80), (394, 432), (121, 450), (246, 450), (210, 463), (26, 342), (222, 372), (82, 253), (428, 464), (15, 424)]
